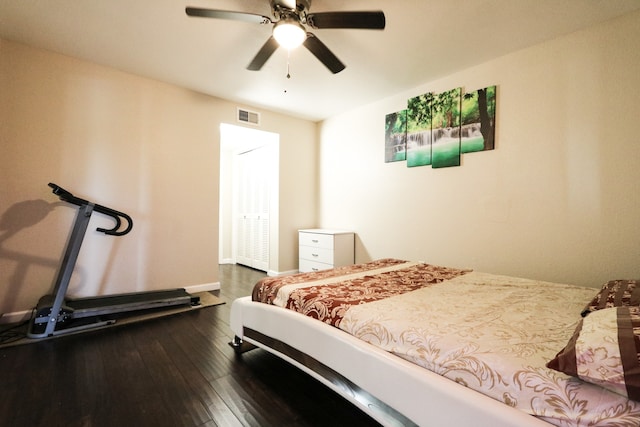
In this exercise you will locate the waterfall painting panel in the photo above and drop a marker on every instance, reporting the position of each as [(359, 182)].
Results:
[(419, 130), (395, 137), (445, 129), (478, 115)]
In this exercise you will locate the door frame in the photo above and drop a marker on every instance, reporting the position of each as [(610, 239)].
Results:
[(235, 139)]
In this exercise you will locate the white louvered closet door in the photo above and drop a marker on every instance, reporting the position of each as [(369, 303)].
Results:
[(253, 209)]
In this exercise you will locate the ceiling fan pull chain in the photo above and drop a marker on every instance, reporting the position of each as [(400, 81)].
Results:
[(288, 57)]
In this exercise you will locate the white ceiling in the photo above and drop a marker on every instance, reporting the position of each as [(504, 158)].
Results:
[(423, 40)]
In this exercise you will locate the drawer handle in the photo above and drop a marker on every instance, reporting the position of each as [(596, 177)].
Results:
[(314, 240), (314, 255), (314, 269)]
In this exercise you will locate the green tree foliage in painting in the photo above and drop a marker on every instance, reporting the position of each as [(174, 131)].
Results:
[(442, 108), (419, 112), (445, 108)]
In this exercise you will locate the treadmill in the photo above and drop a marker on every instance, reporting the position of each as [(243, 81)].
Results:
[(56, 314)]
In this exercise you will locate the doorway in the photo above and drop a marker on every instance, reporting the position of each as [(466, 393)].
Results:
[(249, 165)]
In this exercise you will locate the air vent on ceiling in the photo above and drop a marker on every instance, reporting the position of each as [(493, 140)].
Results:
[(246, 116)]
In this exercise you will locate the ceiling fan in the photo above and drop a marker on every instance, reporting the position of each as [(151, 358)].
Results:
[(289, 31)]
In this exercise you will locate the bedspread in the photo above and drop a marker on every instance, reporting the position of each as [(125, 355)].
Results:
[(495, 334), (327, 295)]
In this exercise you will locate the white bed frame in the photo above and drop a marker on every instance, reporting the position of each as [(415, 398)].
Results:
[(390, 389)]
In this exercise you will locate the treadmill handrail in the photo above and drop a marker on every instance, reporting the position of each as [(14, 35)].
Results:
[(116, 215)]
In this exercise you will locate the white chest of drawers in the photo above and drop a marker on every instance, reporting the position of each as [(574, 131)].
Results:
[(321, 249)]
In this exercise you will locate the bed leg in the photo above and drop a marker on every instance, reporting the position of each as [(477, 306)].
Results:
[(240, 346)]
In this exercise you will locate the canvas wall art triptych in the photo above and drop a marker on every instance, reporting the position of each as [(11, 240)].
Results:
[(436, 129)]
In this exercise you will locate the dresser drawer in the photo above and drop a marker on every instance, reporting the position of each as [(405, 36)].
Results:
[(316, 254), (316, 240), (307, 266)]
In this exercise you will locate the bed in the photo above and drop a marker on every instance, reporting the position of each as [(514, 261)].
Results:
[(416, 344)]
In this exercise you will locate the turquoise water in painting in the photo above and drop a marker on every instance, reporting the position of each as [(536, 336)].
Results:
[(470, 145), (419, 156), (446, 153)]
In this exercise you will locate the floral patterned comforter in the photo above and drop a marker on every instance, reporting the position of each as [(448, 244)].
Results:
[(327, 295), (491, 333)]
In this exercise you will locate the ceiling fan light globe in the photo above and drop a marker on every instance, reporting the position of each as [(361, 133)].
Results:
[(289, 34)]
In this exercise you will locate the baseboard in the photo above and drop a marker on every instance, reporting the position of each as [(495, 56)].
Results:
[(272, 273), (202, 288), (15, 317)]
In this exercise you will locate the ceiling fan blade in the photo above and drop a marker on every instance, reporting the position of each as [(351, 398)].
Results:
[(226, 14), (263, 54), (367, 20), (322, 52)]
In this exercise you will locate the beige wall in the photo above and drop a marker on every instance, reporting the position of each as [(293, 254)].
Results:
[(558, 199), (137, 145)]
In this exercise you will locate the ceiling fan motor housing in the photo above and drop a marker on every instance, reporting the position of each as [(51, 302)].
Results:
[(283, 9)]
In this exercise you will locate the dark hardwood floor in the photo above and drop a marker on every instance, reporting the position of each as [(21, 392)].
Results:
[(173, 371)]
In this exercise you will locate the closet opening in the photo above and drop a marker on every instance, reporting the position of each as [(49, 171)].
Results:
[(249, 165)]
